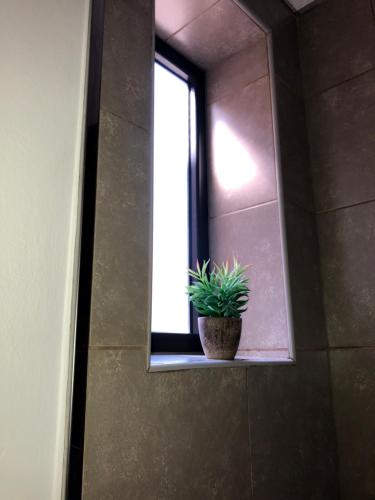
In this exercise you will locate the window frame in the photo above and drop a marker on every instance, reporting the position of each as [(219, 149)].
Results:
[(176, 63)]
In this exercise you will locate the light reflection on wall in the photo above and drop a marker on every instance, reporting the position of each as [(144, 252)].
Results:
[(234, 166)]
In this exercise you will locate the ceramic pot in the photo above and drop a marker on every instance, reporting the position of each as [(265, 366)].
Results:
[(220, 337)]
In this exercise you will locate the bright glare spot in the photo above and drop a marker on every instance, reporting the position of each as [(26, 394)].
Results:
[(234, 167), (170, 307)]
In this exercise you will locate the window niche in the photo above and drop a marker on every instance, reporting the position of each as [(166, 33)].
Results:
[(244, 190)]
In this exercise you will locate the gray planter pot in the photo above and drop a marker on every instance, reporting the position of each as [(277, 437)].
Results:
[(220, 337)]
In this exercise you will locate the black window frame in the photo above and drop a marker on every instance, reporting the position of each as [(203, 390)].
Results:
[(175, 62)]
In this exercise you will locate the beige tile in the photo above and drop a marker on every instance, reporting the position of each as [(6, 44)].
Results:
[(234, 73), (127, 60), (171, 16), (292, 431), (220, 32), (120, 283), (164, 436), (242, 156), (342, 143), (337, 43), (253, 236), (347, 242), (354, 403), (294, 148), (305, 284)]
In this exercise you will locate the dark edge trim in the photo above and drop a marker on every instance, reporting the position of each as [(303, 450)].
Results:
[(175, 62), (77, 432)]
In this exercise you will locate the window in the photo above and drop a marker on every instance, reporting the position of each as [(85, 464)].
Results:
[(180, 198)]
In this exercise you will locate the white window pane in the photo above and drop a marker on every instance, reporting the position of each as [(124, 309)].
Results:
[(170, 307)]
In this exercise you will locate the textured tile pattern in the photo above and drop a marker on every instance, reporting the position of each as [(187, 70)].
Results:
[(292, 432), (242, 157), (337, 42), (253, 237), (286, 54), (211, 38), (127, 56), (294, 149), (342, 140), (166, 435), (171, 16), (304, 272), (120, 283), (354, 402), (237, 71), (348, 259)]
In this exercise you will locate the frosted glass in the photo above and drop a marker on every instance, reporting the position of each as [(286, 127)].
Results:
[(170, 307)]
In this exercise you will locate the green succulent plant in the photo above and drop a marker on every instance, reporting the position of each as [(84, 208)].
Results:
[(223, 292)]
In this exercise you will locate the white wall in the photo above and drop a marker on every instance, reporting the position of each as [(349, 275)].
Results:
[(43, 58)]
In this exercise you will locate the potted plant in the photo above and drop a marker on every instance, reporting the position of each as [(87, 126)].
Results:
[(220, 297)]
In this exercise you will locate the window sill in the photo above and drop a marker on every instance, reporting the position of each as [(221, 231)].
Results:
[(173, 362)]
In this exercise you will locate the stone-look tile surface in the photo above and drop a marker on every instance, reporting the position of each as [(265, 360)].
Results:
[(127, 59), (218, 33), (294, 149), (233, 74), (271, 13), (337, 42), (304, 273), (171, 16), (253, 236), (242, 156), (354, 403), (286, 54), (347, 241), (292, 431), (342, 139), (164, 436), (120, 282)]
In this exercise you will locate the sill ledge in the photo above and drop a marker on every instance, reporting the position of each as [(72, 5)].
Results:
[(173, 362)]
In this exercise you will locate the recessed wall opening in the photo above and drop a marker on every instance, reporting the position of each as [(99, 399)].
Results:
[(244, 195)]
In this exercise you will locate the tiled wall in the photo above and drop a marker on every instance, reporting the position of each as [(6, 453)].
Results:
[(244, 207), (263, 433), (338, 55)]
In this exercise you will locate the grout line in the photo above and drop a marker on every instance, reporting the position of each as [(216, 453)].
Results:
[(270, 202), (335, 348), (318, 93), (124, 119), (117, 347), (191, 20), (343, 207), (232, 92), (352, 347)]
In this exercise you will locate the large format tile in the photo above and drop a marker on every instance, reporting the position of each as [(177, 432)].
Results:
[(218, 33), (342, 139), (294, 148), (253, 236), (337, 42), (354, 403), (292, 433), (164, 436), (127, 60), (171, 16), (242, 156), (271, 13), (347, 241), (304, 272), (240, 69), (120, 282), (286, 54)]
